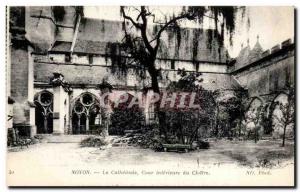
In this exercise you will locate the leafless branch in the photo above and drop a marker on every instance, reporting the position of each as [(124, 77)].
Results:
[(144, 15), (137, 25), (167, 24)]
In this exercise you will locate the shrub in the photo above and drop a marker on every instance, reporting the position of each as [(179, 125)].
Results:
[(93, 141), (122, 120), (203, 144)]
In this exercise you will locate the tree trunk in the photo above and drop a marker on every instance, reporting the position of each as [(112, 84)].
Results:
[(155, 87), (283, 137), (240, 126), (255, 135), (193, 136), (181, 134), (217, 122)]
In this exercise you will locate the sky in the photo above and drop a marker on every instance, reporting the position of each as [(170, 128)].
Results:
[(271, 24)]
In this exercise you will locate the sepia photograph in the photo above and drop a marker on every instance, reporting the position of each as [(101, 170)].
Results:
[(150, 96)]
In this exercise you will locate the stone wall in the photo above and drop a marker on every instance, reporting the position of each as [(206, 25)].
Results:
[(81, 72), (266, 79), (43, 30), (67, 25), (20, 68), (269, 75), (40, 27), (19, 84)]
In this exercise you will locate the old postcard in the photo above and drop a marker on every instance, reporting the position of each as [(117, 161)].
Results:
[(150, 96)]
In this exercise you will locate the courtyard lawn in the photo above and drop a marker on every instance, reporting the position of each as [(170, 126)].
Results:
[(232, 162), (265, 154)]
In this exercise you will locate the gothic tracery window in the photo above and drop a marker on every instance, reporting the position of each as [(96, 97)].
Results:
[(86, 114), (43, 112)]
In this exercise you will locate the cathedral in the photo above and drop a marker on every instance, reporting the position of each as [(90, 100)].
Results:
[(58, 65)]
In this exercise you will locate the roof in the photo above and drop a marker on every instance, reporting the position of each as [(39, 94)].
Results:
[(243, 55), (247, 55), (220, 81), (61, 46), (256, 52), (94, 36), (100, 30), (86, 46)]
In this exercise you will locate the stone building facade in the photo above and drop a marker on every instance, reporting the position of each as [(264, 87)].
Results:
[(59, 62)]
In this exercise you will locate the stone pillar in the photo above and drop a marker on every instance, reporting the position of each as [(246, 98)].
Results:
[(31, 93), (78, 125), (61, 88), (32, 119), (87, 123), (105, 131), (58, 110)]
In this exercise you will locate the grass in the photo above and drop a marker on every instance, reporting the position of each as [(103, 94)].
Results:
[(267, 153)]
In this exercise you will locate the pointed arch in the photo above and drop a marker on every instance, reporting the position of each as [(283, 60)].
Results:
[(255, 101), (275, 113), (96, 99), (44, 112), (87, 114)]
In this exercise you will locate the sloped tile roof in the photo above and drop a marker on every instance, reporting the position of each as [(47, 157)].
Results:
[(94, 47), (256, 52), (94, 36), (62, 46)]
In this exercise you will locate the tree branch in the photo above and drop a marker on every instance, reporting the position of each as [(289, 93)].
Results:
[(144, 15), (164, 27), (137, 25)]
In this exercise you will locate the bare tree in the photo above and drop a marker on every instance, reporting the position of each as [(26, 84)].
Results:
[(287, 116), (143, 48), (253, 122)]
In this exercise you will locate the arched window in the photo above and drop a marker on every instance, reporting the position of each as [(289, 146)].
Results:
[(43, 112), (86, 114)]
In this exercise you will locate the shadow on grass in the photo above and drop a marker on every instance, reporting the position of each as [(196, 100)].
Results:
[(264, 154)]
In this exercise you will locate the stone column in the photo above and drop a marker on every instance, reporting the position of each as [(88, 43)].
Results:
[(87, 123), (60, 90), (58, 107), (32, 119), (31, 93), (78, 125)]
